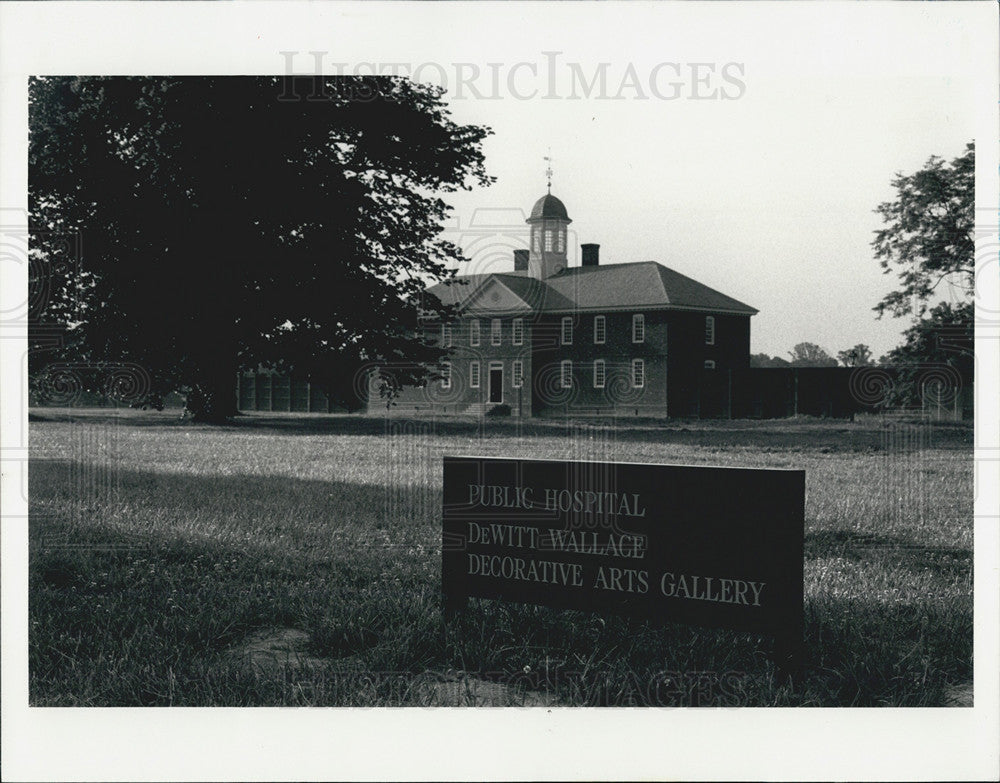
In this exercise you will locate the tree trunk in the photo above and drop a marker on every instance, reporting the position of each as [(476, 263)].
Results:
[(213, 399)]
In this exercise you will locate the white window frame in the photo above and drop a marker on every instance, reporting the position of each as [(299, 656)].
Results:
[(445, 375), (446, 335), (474, 332), (638, 372), (496, 335), (600, 335), (600, 374), (566, 373), (534, 240), (638, 328), (517, 373), (709, 330), (518, 331), (710, 364), (474, 375), (566, 330), (560, 240), (548, 240)]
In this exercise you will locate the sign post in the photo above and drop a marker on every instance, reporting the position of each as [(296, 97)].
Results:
[(706, 546)]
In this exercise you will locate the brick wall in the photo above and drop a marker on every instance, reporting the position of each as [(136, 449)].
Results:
[(462, 396), (673, 352), (688, 352), (619, 394)]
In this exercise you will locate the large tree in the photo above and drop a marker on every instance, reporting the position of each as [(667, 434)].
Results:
[(763, 360), (944, 337), (858, 356), (928, 237), (811, 355), (227, 223), (929, 240)]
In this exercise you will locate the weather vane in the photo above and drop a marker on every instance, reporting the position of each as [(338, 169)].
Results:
[(548, 169)]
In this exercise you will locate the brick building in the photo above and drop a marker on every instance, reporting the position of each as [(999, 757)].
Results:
[(628, 339)]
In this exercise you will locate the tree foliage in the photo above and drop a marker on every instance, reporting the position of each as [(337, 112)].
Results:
[(227, 223), (811, 355), (858, 356), (763, 360), (946, 336), (928, 238)]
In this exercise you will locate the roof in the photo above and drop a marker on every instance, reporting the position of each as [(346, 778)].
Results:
[(646, 285), (548, 206)]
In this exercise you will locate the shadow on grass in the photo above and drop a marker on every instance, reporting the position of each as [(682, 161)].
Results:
[(948, 562), (152, 616), (858, 652), (130, 605), (829, 435), (268, 516)]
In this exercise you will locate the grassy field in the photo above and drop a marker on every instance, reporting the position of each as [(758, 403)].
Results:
[(162, 552)]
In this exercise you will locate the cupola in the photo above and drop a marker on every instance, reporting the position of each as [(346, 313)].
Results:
[(548, 245)]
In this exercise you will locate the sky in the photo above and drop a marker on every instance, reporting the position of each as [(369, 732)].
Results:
[(767, 196), (744, 145), (766, 192)]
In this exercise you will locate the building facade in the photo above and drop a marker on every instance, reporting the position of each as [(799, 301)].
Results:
[(550, 338)]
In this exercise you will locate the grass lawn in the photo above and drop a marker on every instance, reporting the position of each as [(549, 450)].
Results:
[(159, 549)]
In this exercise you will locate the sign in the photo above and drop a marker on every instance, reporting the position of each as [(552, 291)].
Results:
[(701, 545)]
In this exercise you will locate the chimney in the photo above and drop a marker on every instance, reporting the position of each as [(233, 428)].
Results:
[(520, 260), (591, 253)]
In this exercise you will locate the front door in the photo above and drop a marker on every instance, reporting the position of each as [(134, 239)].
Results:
[(496, 382)]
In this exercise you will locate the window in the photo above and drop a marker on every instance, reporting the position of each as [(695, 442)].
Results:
[(638, 373), (638, 328), (548, 240), (474, 332), (709, 330), (446, 335), (518, 331), (474, 375), (517, 370), (446, 375), (566, 373), (600, 330), (709, 364), (567, 330), (561, 241), (599, 373), (534, 240), (495, 332)]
